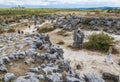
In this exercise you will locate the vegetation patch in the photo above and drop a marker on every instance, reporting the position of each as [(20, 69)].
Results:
[(45, 28), (99, 42)]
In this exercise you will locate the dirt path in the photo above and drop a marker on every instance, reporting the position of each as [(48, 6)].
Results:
[(33, 29)]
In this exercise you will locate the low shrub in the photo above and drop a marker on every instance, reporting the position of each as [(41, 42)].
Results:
[(99, 42)]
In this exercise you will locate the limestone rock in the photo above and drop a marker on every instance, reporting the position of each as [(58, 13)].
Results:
[(8, 77)]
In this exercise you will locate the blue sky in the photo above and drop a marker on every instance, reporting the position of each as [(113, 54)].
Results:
[(60, 3)]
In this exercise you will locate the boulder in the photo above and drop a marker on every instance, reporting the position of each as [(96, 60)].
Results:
[(5, 60), (35, 70), (28, 61), (73, 79), (65, 65), (91, 77), (30, 51), (26, 79), (53, 49), (9, 77), (29, 77), (38, 44), (17, 55), (56, 77), (40, 77), (110, 77), (50, 70), (3, 68)]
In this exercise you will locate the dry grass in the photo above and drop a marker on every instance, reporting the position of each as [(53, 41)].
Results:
[(19, 68)]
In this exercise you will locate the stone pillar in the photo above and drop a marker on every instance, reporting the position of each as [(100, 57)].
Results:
[(78, 37)]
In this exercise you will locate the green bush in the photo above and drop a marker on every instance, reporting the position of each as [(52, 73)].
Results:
[(1, 30), (11, 30), (99, 42)]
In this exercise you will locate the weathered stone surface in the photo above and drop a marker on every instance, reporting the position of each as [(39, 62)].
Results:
[(74, 21), (56, 77), (110, 77), (17, 55), (29, 61), (26, 79), (72, 79), (4, 60), (35, 70), (78, 38), (50, 70), (93, 78), (3, 68), (41, 77), (65, 65), (30, 52), (9, 77)]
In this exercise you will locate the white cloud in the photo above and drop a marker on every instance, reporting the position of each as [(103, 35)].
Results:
[(62, 2), (37, 2)]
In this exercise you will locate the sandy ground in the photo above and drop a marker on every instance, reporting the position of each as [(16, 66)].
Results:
[(91, 61)]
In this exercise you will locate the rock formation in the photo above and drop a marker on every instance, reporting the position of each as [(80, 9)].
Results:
[(78, 38)]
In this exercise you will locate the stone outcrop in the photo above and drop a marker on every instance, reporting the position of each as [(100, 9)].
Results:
[(69, 22), (110, 77), (9, 77), (78, 38), (91, 77)]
